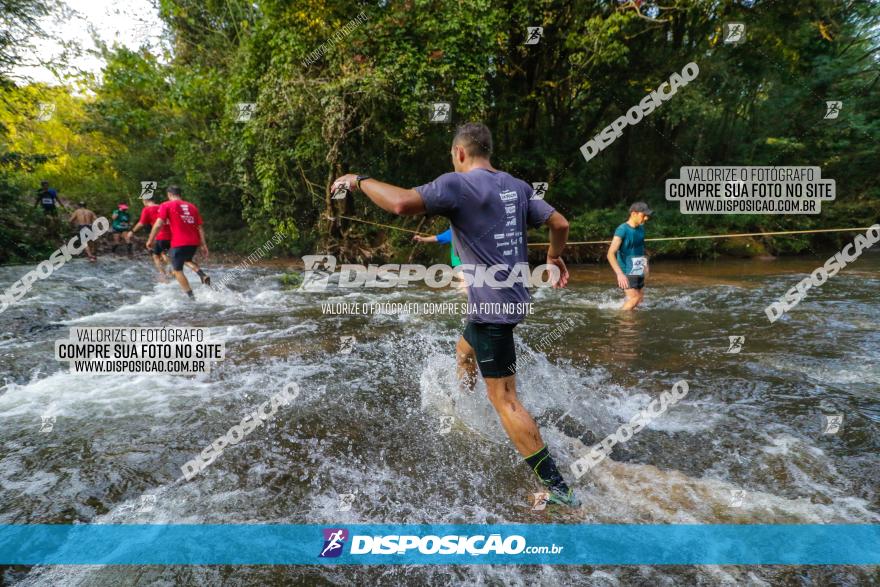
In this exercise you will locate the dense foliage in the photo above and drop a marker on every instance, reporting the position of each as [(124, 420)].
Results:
[(363, 105)]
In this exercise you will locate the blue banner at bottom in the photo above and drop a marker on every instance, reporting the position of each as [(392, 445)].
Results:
[(384, 544)]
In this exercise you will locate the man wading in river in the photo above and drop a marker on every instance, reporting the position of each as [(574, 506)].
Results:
[(489, 211), (187, 236), (626, 255)]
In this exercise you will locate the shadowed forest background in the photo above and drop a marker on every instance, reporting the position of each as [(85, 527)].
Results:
[(364, 105)]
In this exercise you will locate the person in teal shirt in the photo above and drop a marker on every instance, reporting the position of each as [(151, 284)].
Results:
[(626, 255), (120, 223), (444, 238)]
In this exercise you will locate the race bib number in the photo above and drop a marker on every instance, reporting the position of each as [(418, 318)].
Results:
[(638, 265), (48, 202)]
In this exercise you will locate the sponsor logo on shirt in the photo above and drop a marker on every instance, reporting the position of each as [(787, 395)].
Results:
[(510, 209), (508, 196), (498, 236)]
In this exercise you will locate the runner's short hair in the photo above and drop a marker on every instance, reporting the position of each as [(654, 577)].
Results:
[(173, 189), (475, 137)]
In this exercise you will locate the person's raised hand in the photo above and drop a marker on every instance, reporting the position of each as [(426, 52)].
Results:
[(557, 262)]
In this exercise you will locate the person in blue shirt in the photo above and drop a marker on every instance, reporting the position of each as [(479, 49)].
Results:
[(626, 255), (48, 198), (444, 238)]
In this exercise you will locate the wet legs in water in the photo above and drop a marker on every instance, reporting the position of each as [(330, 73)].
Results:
[(634, 297), (516, 421)]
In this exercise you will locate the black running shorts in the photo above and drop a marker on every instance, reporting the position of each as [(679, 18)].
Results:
[(180, 255), (160, 247), (493, 345), (636, 281)]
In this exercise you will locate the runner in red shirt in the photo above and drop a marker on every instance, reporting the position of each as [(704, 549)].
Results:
[(187, 236), (149, 215)]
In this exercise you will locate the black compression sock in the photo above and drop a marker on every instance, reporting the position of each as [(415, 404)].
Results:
[(545, 468)]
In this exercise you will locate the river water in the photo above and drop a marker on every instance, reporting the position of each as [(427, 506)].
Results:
[(381, 428)]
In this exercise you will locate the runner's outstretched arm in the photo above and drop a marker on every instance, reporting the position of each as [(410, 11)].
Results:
[(400, 201)]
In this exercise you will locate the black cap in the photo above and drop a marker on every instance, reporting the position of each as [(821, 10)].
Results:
[(641, 207)]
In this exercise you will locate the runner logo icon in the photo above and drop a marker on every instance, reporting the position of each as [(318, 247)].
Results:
[(334, 540)]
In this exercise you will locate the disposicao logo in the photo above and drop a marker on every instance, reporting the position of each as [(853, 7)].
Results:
[(414, 545), (334, 540)]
